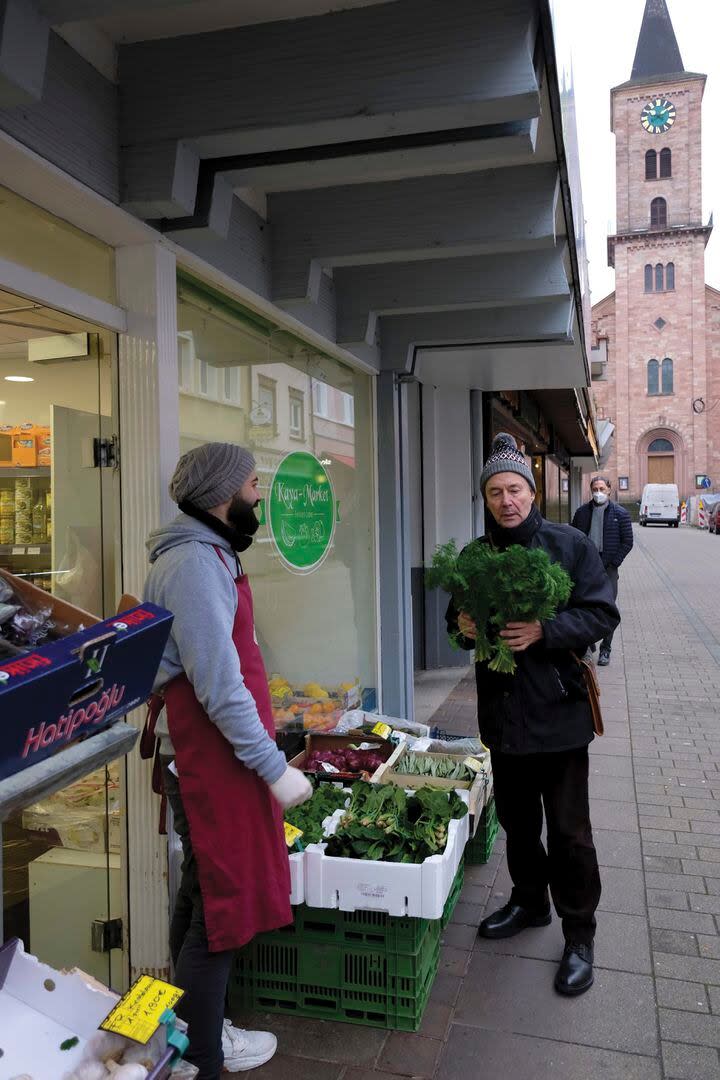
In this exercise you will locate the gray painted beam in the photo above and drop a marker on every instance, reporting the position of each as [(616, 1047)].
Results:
[(60, 11), (400, 335), (24, 35), (387, 69), (496, 211), (490, 281), (515, 145), (160, 181)]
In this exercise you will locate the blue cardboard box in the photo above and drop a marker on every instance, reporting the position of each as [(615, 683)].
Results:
[(77, 686)]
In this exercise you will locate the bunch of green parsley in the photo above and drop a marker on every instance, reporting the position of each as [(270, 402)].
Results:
[(496, 588)]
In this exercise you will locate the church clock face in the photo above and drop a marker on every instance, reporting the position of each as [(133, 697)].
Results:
[(658, 116)]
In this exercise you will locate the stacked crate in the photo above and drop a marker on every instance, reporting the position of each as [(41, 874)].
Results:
[(361, 967), (480, 847)]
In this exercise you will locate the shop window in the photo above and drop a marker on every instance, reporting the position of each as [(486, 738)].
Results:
[(658, 214), (297, 414), (651, 165), (659, 278), (670, 276), (653, 377), (665, 163), (667, 376), (648, 277)]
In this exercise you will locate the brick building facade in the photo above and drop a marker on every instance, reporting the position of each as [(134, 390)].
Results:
[(657, 336)]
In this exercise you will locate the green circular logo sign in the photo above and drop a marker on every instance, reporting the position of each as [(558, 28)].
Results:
[(301, 512)]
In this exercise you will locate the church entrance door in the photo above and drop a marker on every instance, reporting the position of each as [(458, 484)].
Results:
[(661, 468)]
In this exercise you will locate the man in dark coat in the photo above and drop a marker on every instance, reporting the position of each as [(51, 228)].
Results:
[(538, 724), (609, 527)]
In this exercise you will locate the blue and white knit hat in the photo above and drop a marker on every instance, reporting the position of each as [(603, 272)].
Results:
[(505, 457)]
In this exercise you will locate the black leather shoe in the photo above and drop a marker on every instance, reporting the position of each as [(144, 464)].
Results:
[(575, 974), (510, 920), (603, 658)]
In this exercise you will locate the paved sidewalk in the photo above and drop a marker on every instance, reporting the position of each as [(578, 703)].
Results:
[(654, 1011)]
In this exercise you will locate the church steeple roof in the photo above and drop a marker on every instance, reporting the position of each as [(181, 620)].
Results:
[(657, 50)]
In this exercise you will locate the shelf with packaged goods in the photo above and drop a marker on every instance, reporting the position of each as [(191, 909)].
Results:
[(19, 472), (24, 551)]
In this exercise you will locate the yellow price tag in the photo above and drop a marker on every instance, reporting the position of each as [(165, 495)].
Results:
[(383, 730), (137, 1014), (292, 833), (473, 764)]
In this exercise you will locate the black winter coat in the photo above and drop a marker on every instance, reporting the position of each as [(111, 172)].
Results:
[(543, 707), (617, 531)]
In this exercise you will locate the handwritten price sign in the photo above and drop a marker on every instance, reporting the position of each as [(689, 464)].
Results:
[(137, 1014)]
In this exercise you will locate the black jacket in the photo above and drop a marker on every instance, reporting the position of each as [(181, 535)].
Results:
[(543, 707), (617, 531)]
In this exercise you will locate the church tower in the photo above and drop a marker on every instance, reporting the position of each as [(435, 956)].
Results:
[(656, 383)]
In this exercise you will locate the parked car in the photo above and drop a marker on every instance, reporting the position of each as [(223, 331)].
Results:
[(713, 521), (660, 505)]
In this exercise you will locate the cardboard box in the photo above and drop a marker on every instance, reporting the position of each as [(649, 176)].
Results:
[(339, 742), (41, 1008), (79, 685), (24, 446), (392, 773)]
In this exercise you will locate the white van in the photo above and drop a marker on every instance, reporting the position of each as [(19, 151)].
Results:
[(660, 505)]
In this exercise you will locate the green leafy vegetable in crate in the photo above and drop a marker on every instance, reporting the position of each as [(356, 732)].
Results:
[(496, 588), (383, 823), (310, 816), (435, 767)]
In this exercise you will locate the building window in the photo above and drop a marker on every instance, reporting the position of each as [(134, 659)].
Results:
[(204, 379), (658, 214), (653, 377), (347, 409), (659, 278), (267, 401), (320, 400), (667, 376), (670, 276), (297, 414), (648, 278), (660, 446), (651, 165), (665, 163)]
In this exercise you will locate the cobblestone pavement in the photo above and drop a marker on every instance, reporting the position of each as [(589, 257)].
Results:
[(654, 1011)]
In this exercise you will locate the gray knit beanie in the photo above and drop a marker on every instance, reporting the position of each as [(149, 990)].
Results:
[(211, 474), (505, 457)]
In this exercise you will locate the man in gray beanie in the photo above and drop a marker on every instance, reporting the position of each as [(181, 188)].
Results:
[(226, 780), (538, 724)]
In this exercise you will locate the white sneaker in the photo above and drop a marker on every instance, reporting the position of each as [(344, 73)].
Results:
[(245, 1050)]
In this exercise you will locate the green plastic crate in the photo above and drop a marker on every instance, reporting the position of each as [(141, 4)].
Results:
[(334, 982), (480, 848), (453, 897)]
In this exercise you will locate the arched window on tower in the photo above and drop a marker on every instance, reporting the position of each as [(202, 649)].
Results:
[(653, 377), (667, 376), (670, 276), (658, 214), (651, 165), (648, 278), (659, 278), (660, 446), (665, 162)]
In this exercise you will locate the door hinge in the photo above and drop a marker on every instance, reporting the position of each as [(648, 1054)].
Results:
[(106, 934), (106, 453)]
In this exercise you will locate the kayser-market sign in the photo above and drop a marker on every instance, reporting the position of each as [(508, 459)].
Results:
[(301, 512)]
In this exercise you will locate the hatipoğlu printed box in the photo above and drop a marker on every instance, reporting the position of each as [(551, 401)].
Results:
[(77, 686)]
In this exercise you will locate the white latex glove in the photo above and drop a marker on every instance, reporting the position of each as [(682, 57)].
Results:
[(292, 789)]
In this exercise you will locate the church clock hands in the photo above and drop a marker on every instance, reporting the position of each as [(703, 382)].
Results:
[(658, 116)]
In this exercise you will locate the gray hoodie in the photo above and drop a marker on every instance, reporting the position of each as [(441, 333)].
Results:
[(188, 578)]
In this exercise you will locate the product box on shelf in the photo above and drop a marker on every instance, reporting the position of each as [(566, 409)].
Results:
[(416, 889), (477, 788), (24, 446), (78, 685)]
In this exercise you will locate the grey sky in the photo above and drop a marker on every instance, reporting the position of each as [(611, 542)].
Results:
[(604, 36)]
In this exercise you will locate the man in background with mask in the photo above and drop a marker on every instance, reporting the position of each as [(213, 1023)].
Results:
[(609, 527), (224, 777)]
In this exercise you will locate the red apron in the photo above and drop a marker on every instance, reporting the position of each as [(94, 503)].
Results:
[(236, 826)]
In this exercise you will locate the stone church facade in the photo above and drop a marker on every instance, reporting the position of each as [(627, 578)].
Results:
[(656, 338)]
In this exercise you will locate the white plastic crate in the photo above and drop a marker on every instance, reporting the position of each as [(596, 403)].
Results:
[(297, 877), (416, 889)]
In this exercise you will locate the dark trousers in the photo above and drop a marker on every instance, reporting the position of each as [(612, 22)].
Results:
[(613, 574), (525, 784), (202, 974)]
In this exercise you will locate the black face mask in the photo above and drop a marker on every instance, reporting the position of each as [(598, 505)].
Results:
[(241, 526)]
